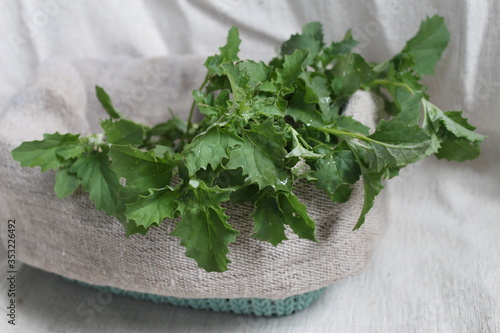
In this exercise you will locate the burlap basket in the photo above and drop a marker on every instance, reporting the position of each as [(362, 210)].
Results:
[(71, 238)]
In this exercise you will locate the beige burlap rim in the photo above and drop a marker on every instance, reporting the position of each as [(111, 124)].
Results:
[(71, 238)]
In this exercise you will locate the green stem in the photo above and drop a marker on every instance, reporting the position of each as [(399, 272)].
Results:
[(338, 132), (300, 138), (341, 133), (379, 68), (304, 142), (315, 140), (398, 84), (191, 111), (424, 121)]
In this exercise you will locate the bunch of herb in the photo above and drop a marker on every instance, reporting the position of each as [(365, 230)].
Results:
[(260, 121)]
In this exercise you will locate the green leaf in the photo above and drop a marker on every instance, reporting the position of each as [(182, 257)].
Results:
[(230, 178), (105, 100), (292, 67), (261, 156), (222, 99), (268, 221), (244, 194), (266, 106), (171, 130), (228, 52), (257, 72), (44, 153), (409, 106), (204, 230), (391, 173), (304, 112), (66, 183), (205, 233), (209, 148), (316, 90), (205, 102), (98, 179), (151, 209), (407, 94), (142, 169), (396, 144), (160, 150), (126, 195), (311, 39), (372, 185), (129, 195), (338, 48), (456, 116), (452, 121), (70, 151), (298, 149), (454, 136), (428, 44), (238, 81), (295, 215), (436, 140), (350, 73), (132, 228), (213, 64), (123, 132), (458, 149), (372, 180), (336, 169), (350, 124)]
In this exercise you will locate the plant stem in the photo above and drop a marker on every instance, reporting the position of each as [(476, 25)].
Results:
[(381, 67), (338, 132), (398, 84), (341, 133), (191, 111)]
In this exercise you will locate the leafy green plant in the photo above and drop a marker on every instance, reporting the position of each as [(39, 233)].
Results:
[(260, 121)]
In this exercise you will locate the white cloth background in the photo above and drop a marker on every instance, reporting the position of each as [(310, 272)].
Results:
[(437, 268)]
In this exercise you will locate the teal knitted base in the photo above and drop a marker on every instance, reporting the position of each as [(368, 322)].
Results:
[(249, 306)]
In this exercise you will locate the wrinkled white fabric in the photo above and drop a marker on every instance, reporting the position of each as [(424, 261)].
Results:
[(437, 266)]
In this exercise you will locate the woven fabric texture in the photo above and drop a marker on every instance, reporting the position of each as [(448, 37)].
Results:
[(71, 238)]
